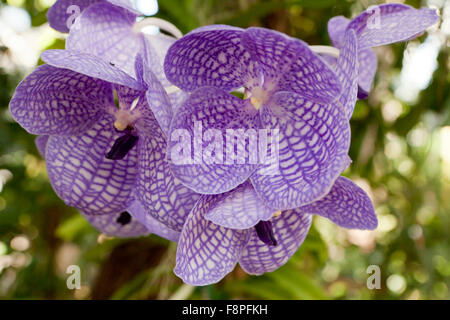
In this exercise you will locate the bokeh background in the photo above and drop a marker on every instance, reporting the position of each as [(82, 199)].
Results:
[(400, 151)]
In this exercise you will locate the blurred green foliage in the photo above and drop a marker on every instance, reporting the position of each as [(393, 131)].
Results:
[(400, 158)]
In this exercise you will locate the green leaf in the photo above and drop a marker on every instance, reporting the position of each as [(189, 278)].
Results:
[(298, 284), (255, 12), (181, 13), (70, 228), (39, 19), (314, 4), (261, 288), (262, 9), (132, 286)]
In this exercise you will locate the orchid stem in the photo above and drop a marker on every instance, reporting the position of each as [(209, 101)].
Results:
[(160, 23), (332, 51)]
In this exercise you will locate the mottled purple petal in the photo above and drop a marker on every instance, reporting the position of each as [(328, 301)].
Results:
[(158, 100), (211, 169), (153, 225), (156, 48), (114, 225), (240, 208), (89, 65), (313, 144), (209, 58), (290, 229), (163, 196), (388, 23), (177, 98), (347, 205), (83, 177), (331, 60), (139, 68), (347, 71), (336, 30), (289, 65), (207, 252), (41, 144), (107, 32), (368, 64), (58, 101), (213, 27), (63, 13)]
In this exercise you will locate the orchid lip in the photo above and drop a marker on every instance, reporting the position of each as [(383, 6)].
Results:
[(124, 218), (122, 146), (362, 94), (264, 231)]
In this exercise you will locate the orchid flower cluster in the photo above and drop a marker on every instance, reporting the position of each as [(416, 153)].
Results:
[(108, 111)]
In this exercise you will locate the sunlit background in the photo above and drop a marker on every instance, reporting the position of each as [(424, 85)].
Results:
[(400, 151)]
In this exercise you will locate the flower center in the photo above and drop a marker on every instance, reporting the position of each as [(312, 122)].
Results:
[(124, 122), (125, 117), (258, 96), (277, 214), (265, 233)]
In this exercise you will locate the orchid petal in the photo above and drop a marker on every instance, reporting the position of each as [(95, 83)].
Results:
[(207, 252), (347, 71), (81, 175), (138, 212), (336, 30), (240, 208), (347, 205), (58, 101), (368, 64), (106, 31), (163, 196), (290, 230), (156, 48), (89, 65), (289, 65), (63, 13), (313, 148), (158, 100), (392, 22), (213, 111), (110, 225), (41, 144), (212, 57)]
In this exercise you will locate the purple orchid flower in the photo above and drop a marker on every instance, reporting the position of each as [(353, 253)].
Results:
[(134, 222), (113, 34), (379, 25), (63, 13), (101, 158), (225, 229), (288, 87), (240, 225)]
